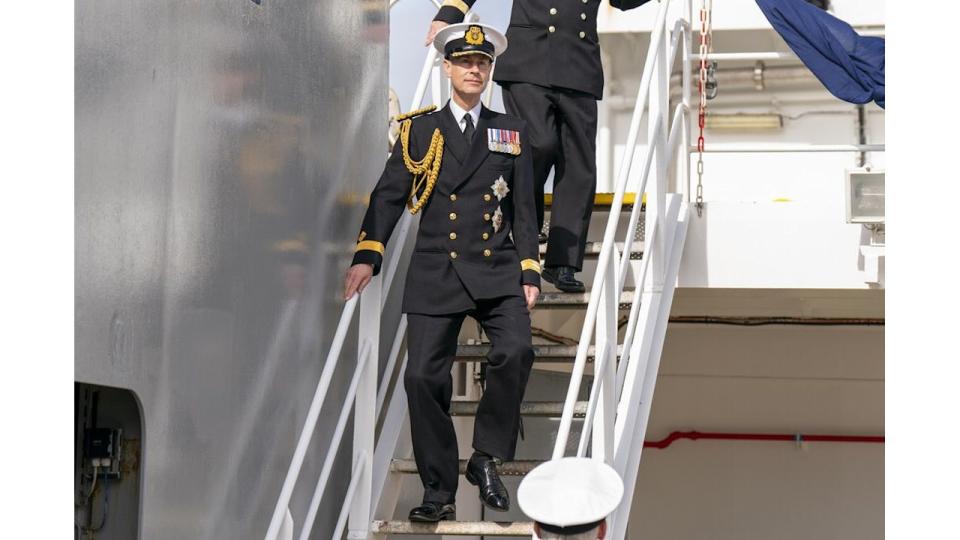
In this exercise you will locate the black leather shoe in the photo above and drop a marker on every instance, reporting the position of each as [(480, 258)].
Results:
[(482, 472), (431, 512), (562, 277)]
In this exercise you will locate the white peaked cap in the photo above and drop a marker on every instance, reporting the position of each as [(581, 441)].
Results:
[(457, 31), (570, 491)]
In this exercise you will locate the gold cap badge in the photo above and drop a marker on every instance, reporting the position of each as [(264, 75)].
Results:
[(474, 35)]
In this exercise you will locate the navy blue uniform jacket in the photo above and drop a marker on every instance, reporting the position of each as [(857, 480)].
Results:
[(465, 249)]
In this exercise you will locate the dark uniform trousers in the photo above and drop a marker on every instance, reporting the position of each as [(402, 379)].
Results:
[(432, 348), (551, 77), (476, 247), (562, 124)]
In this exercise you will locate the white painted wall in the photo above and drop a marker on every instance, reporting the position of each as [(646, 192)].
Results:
[(825, 380)]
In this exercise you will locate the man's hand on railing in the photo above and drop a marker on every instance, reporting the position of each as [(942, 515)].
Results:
[(357, 278), (435, 27), (531, 294)]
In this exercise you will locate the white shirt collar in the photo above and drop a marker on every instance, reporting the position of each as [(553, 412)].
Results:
[(458, 113)]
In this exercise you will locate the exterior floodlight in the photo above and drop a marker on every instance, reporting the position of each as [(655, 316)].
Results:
[(865, 194), (744, 122)]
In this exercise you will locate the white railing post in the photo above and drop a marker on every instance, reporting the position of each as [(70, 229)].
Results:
[(306, 434), (365, 409), (683, 153), (605, 364), (658, 116)]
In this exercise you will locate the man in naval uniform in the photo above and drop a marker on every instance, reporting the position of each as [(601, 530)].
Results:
[(552, 78), (468, 172), (570, 498)]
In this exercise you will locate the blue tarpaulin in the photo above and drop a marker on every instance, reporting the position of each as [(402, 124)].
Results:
[(851, 66)]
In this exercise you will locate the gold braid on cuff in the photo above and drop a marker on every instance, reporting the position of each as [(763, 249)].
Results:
[(370, 245), (530, 264)]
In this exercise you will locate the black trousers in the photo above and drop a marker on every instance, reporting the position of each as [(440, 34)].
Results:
[(432, 346), (562, 127)]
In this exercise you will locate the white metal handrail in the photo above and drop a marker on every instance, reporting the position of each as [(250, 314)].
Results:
[(334, 445), (348, 498), (313, 415), (607, 259)]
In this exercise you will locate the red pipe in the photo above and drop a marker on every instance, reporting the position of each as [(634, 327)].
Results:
[(798, 438)]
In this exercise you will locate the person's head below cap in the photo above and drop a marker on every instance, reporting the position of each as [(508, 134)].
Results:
[(570, 498), (465, 39)]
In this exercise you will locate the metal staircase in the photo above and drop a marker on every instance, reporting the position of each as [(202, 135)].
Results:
[(625, 363)]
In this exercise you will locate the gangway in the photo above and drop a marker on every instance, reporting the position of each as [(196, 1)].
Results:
[(634, 274)]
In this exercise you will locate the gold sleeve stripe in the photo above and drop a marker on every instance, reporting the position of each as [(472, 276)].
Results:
[(370, 245), (459, 4), (530, 264)]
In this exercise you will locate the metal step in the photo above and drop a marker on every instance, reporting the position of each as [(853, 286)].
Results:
[(593, 249), (519, 467), (542, 353), (602, 200), (560, 300), (455, 528), (527, 408)]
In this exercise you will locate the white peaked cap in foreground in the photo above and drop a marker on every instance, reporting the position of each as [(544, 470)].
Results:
[(570, 491)]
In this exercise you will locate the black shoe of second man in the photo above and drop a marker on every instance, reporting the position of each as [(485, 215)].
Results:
[(562, 277), (431, 512), (482, 472)]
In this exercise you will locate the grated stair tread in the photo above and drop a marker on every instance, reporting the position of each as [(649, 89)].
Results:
[(518, 467), (458, 528), (542, 353), (555, 300), (527, 408), (592, 249)]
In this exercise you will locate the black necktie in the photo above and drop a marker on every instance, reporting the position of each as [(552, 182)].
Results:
[(468, 129)]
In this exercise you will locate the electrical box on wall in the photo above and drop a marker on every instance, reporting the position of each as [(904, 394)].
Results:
[(865, 196), (102, 449)]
